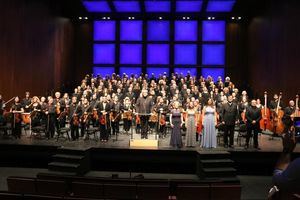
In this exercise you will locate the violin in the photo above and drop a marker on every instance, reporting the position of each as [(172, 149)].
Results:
[(76, 120), (162, 120), (95, 114), (57, 109), (102, 119)]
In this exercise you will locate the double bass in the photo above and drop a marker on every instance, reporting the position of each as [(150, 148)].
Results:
[(297, 113), (265, 122), (276, 123)]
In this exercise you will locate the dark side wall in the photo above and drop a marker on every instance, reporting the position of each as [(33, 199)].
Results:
[(38, 52), (274, 50)]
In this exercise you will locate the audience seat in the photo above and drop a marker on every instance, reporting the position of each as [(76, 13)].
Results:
[(21, 185), (221, 191), (51, 187), (190, 191), (87, 190)]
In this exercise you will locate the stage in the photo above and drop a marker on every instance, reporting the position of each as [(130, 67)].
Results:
[(119, 156)]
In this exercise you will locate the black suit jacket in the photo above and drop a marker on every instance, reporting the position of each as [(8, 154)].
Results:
[(229, 113), (253, 114)]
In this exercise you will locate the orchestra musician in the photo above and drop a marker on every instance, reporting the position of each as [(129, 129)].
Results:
[(288, 116), (253, 116), (74, 118), (143, 108), (116, 115), (26, 102), (17, 109), (229, 117), (85, 117), (127, 114), (50, 118), (161, 109), (104, 121)]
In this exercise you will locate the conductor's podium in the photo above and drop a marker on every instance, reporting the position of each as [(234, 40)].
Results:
[(144, 143)]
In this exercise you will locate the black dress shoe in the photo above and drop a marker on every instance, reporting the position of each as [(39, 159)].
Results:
[(246, 147), (257, 148), (231, 146), (226, 146)]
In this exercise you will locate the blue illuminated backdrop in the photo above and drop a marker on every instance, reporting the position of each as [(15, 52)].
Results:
[(159, 45)]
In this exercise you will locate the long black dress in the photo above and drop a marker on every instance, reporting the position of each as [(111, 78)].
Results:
[(176, 138)]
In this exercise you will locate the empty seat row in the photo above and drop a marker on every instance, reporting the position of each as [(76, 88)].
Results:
[(124, 189)]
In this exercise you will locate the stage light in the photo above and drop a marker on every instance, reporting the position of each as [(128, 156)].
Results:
[(240, 18), (80, 18), (86, 18), (132, 18), (129, 17), (103, 17), (108, 17), (188, 18), (183, 18), (209, 18), (160, 18), (213, 18), (232, 18)]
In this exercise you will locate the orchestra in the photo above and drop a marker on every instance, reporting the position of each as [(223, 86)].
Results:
[(147, 103)]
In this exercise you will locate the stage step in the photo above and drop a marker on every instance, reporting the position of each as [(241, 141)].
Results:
[(216, 166), (220, 172), (68, 160), (62, 166), (217, 163)]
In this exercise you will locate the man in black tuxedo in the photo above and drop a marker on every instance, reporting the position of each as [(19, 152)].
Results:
[(229, 115), (287, 118), (253, 116), (143, 107), (104, 108)]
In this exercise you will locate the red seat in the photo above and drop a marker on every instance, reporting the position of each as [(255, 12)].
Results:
[(224, 191), (21, 185)]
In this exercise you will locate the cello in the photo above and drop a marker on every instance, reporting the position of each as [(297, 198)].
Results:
[(276, 124), (265, 122)]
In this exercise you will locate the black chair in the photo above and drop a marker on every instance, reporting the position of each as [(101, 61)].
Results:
[(92, 131), (242, 133), (21, 185), (62, 131), (38, 130)]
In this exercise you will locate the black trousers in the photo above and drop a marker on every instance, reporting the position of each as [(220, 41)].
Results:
[(17, 130), (144, 126), (255, 129), (162, 130), (115, 127), (229, 132), (103, 132), (50, 126), (74, 132), (83, 128), (127, 124)]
